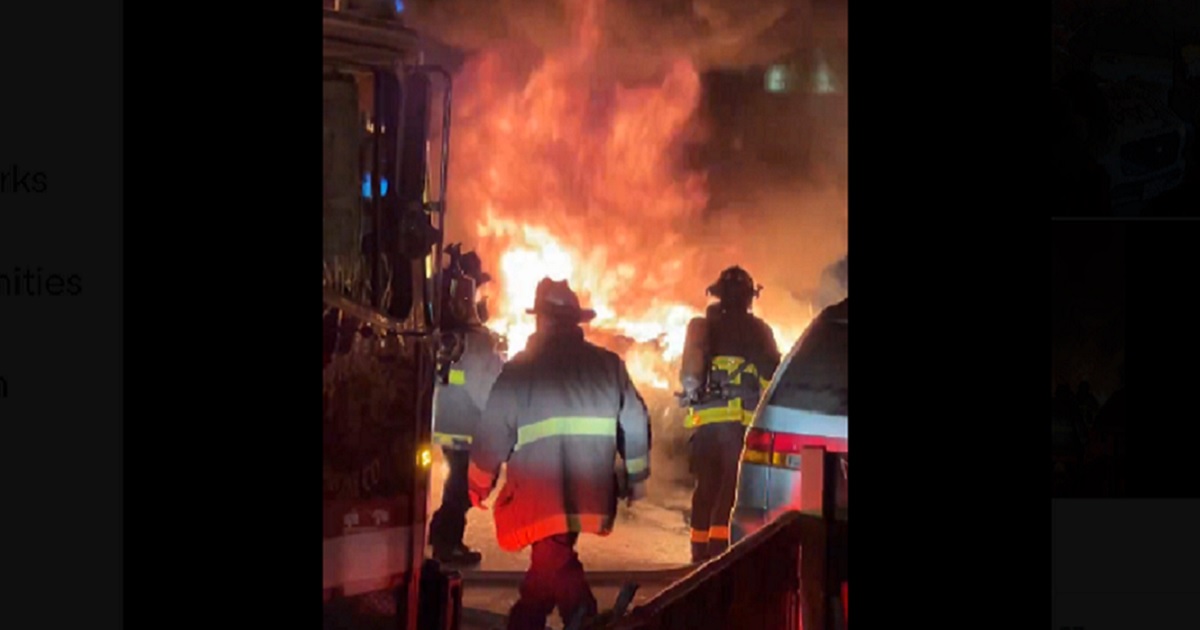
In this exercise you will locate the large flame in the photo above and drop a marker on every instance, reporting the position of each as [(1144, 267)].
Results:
[(569, 175)]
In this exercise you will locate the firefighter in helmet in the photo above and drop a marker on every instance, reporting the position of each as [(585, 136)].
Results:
[(558, 416), (469, 361), (729, 357)]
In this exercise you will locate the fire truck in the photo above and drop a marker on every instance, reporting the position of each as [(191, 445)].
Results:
[(386, 140)]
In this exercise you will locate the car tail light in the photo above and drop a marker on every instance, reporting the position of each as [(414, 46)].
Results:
[(846, 602), (758, 447), (782, 450)]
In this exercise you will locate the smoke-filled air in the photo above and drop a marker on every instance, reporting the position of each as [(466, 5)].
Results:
[(581, 149)]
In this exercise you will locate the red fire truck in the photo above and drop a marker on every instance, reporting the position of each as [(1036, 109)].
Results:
[(386, 121)]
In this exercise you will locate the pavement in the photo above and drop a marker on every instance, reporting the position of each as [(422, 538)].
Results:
[(485, 605), (649, 545)]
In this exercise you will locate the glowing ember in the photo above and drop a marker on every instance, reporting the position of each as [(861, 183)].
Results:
[(570, 175)]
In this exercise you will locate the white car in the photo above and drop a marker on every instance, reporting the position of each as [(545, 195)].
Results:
[(806, 404)]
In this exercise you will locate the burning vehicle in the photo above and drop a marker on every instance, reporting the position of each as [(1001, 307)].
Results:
[(564, 168), (574, 156)]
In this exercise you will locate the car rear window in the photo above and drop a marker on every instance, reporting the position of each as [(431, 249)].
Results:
[(816, 377)]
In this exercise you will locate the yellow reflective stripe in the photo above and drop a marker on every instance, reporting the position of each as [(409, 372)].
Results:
[(450, 439), (731, 364), (729, 413), (636, 465), (572, 426), (718, 414), (458, 377), (727, 364), (763, 383)]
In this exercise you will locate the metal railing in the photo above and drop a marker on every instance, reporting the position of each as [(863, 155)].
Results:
[(787, 575)]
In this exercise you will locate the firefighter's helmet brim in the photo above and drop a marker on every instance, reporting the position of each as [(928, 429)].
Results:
[(556, 299)]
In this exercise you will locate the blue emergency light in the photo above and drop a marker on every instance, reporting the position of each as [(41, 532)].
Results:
[(383, 187)]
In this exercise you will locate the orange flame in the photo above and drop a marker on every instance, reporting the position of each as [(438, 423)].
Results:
[(570, 176)]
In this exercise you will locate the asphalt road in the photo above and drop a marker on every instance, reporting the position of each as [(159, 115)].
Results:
[(487, 596)]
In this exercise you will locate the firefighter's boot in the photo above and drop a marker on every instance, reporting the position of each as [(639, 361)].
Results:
[(459, 556), (717, 546)]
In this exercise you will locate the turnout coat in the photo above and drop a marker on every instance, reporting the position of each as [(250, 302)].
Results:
[(559, 414), (458, 405)]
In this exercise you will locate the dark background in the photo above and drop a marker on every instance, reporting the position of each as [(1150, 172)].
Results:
[(219, 464), (1121, 294), (1088, 301), (1154, 29), (61, 425), (1121, 563), (1164, 338)]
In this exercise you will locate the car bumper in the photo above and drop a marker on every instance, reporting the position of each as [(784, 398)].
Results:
[(762, 493), (746, 521), (765, 492)]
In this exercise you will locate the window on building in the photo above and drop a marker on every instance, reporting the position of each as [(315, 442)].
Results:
[(778, 79), (823, 79)]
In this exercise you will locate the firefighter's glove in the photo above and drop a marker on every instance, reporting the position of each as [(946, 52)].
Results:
[(636, 492), (691, 390), (478, 493)]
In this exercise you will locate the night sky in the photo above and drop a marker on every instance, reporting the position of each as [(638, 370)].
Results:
[(1089, 285)]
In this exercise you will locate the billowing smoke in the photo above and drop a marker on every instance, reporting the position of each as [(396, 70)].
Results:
[(775, 170), (713, 33), (835, 284)]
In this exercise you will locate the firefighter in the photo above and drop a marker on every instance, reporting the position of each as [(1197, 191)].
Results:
[(558, 415), (470, 359), (729, 357), (471, 265)]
